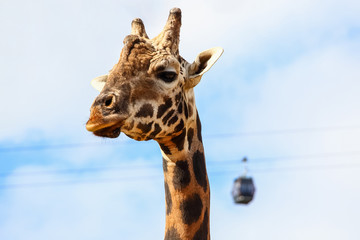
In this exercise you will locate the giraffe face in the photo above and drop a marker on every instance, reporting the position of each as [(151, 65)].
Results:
[(148, 93), (142, 94)]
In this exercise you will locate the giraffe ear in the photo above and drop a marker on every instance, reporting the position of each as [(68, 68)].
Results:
[(99, 82), (202, 64)]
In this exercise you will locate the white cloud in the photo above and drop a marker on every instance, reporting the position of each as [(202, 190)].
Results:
[(83, 211), (294, 205), (317, 90), (50, 51), (291, 205)]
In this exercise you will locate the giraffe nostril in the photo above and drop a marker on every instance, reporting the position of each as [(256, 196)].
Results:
[(109, 100)]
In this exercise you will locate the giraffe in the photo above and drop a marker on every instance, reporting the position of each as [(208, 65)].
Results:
[(149, 94)]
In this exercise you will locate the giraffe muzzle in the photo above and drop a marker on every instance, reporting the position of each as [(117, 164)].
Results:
[(104, 126)]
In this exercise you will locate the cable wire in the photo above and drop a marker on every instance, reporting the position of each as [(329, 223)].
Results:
[(160, 177), (137, 167), (210, 136)]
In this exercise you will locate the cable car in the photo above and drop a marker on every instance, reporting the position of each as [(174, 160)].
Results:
[(244, 188)]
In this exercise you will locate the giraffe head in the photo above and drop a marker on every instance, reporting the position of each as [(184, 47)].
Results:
[(148, 94)]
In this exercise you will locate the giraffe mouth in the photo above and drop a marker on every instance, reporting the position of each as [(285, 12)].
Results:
[(110, 132), (111, 129)]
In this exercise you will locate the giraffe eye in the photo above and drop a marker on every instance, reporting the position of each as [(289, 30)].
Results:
[(167, 76)]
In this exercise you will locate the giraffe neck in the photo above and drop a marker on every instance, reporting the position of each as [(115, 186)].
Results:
[(187, 191)]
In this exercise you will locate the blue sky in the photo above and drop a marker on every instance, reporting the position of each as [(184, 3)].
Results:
[(286, 65)]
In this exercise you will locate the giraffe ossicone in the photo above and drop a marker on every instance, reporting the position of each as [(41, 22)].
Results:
[(148, 95)]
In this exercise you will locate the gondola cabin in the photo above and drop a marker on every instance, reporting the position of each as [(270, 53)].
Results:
[(243, 190)]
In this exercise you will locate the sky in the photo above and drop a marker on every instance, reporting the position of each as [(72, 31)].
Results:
[(285, 93)]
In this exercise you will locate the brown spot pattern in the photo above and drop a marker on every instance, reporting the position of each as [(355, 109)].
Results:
[(156, 131), (191, 209), (190, 135), (198, 126), (180, 126), (180, 108), (146, 110), (145, 128), (172, 120), (179, 140), (203, 231), (181, 178), (165, 149), (167, 116), (186, 110), (200, 169), (164, 107)]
